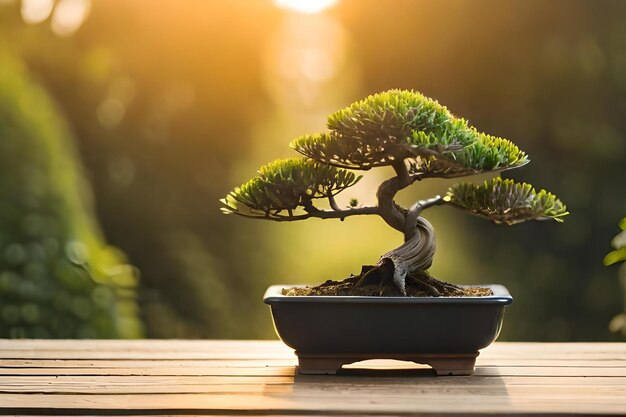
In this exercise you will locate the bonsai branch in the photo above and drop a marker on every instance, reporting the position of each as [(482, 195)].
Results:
[(336, 212), (332, 202), (312, 212), (414, 212)]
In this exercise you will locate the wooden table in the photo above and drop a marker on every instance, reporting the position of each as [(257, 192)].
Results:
[(257, 377)]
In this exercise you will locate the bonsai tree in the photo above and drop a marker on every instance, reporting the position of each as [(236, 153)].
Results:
[(419, 139)]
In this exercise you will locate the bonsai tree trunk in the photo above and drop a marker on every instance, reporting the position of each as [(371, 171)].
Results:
[(411, 260)]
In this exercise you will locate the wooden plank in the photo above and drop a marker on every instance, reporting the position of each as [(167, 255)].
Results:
[(170, 371), (140, 344), (186, 345), (289, 370), (89, 389), (236, 385), (9, 367), (226, 355), (144, 345), (262, 348), (330, 400), (218, 354), (549, 371), (142, 349), (255, 355), (248, 363), (7, 364)]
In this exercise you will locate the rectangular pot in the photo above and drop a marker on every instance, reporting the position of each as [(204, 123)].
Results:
[(314, 325)]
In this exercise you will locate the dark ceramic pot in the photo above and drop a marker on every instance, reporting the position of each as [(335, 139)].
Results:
[(444, 332)]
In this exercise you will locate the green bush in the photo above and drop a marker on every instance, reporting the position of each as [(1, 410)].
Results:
[(58, 279), (618, 255)]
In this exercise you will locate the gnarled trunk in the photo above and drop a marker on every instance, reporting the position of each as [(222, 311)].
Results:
[(410, 262), (415, 255)]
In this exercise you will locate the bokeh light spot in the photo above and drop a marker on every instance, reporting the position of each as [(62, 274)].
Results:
[(122, 171), (36, 11), (299, 64), (110, 112), (69, 15), (306, 6)]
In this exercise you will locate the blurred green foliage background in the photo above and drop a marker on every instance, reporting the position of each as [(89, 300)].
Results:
[(158, 109), (57, 277)]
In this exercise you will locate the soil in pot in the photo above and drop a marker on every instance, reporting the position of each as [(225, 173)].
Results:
[(376, 281)]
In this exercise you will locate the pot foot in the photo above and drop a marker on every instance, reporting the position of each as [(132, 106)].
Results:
[(444, 364)]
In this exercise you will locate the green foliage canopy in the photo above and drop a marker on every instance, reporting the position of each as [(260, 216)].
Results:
[(391, 128), (505, 201), (287, 184), (398, 124), (488, 153)]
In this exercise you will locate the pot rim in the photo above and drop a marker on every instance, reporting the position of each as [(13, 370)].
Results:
[(501, 295)]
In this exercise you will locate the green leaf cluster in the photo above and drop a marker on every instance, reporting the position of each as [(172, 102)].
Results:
[(618, 323), (399, 124), (384, 128), (287, 184), (619, 245), (488, 153), (505, 201)]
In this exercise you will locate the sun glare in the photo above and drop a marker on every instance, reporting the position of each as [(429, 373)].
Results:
[(36, 11), (306, 6), (69, 15)]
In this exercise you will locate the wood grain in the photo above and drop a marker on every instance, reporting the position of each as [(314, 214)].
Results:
[(258, 377)]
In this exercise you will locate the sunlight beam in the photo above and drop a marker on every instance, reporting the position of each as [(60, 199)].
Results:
[(305, 6)]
